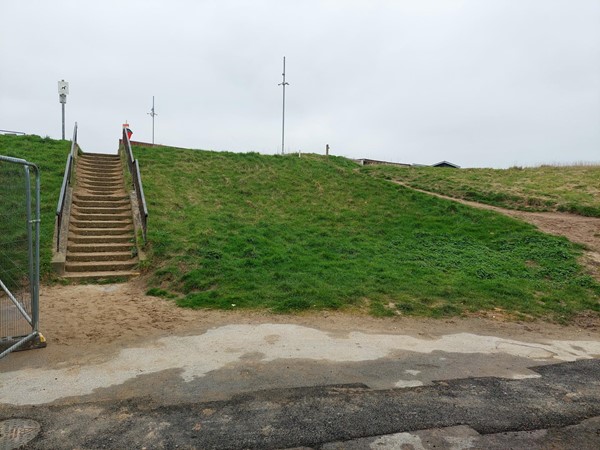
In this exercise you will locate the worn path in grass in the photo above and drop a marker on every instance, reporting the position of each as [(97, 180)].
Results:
[(580, 229), (125, 370)]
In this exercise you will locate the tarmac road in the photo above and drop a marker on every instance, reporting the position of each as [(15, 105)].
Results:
[(280, 385)]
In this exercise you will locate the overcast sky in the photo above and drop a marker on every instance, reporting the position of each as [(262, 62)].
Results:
[(481, 83)]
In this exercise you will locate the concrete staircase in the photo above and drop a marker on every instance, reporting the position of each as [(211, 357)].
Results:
[(101, 234)]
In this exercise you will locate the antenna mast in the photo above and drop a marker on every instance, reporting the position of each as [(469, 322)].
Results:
[(284, 84), (152, 114)]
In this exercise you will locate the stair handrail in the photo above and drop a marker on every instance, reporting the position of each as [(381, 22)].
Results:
[(136, 180), (65, 184)]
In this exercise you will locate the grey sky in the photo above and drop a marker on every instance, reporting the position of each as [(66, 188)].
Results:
[(480, 83)]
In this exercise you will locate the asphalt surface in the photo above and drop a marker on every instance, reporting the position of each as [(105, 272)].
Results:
[(338, 385), (558, 409)]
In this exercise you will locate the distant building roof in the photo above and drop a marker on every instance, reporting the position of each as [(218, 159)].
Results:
[(446, 164), (368, 162)]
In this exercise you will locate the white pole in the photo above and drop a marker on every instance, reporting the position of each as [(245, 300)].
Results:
[(152, 114), (284, 84)]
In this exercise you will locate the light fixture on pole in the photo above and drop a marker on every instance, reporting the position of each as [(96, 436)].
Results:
[(152, 114), (63, 91), (284, 84)]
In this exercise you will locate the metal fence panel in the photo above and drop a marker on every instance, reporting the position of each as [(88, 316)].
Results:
[(19, 254)]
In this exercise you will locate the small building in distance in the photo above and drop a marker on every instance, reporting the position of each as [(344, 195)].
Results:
[(446, 164), (370, 162)]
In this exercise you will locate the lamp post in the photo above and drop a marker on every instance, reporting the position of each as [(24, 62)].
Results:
[(63, 91)]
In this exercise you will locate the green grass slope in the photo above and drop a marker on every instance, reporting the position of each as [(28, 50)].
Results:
[(286, 233), (574, 189), (50, 156)]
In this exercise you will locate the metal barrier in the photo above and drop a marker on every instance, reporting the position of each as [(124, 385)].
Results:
[(65, 184), (19, 255), (136, 179)]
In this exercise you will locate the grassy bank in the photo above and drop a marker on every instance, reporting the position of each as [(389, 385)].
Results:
[(286, 233), (50, 156), (574, 189)]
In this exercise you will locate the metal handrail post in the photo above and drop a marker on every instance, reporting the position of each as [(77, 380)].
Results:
[(35, 300), (141, 199), (29, 234)]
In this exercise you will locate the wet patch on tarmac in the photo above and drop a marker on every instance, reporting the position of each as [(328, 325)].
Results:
[(291, 355)]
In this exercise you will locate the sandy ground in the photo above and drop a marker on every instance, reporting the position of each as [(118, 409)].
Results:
[(112, 342), (90, 323)]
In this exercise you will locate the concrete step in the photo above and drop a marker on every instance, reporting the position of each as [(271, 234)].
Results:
[(96, 160), (101, 217), (91, 163), (119, 231), (100, 197), (83, 186), (113, 276), (121, 210), (92, 167), (99, 188), (112, 169), (103, 181), (105, 224), (99, 155), (100, 178), (98, 256), (89, 190), (99, 182), (116, 203), (103, 266), (100, 247), (100, 168), (100, 160), (107, 187), (103, 239), (107, 205)]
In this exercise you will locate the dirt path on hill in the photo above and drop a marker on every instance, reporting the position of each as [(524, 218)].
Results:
[(579, 229)]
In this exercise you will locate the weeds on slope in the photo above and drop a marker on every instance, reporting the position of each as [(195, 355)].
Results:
[(288, 234), (574, 189), (50, 157)]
